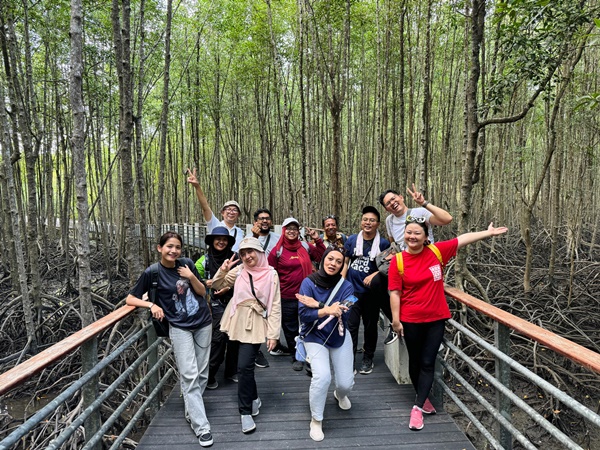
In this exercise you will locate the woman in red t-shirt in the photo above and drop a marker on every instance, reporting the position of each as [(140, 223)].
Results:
[(418, 303)]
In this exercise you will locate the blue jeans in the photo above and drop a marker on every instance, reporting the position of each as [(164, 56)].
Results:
[(192, 350), (320, 357)]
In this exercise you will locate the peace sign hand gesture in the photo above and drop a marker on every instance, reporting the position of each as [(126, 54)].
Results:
[(192, 177), (417, 196), (229, 263)]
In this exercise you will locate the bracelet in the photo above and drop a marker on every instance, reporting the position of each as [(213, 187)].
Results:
[(424, 204), (150, 307)]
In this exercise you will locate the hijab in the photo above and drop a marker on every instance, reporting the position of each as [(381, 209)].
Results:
[(322, 278), (296, 246), (216, 258)]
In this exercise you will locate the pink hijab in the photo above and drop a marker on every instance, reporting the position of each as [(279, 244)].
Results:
[(262, 278)]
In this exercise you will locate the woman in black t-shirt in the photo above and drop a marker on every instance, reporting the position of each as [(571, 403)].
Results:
[(180, 300)]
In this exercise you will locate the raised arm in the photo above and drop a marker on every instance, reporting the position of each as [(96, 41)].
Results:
[(439, 216), (469, 238), (193, 180)]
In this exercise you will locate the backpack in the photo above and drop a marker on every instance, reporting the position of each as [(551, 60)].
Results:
[(432, 247), (160, 326)]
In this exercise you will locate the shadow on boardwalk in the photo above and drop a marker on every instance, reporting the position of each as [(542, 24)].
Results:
[(378, 418)]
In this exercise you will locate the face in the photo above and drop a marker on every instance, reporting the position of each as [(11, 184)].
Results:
[(220, 243), (249, 257), (393, 203), (264, 222), (333, 263), (170, 251), (414, 237), (292, 231), (369, 223), (230, 214), (330, 227)]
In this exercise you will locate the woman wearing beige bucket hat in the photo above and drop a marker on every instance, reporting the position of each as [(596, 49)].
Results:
[(252, 316)]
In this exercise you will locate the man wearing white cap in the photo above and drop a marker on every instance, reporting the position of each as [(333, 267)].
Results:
[(230, 212)]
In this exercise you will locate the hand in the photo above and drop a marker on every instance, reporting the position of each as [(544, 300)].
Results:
[(229, 263), (336, 309), (314, 234), (496, 231), (369, 278), (222, 291), (209, 283), (271, 344), (185, 272), (398, 328), (255, 230), (157, 312), (192, 178), (307, 301), (416, 195)]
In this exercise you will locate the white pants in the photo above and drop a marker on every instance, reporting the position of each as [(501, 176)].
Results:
[(192, 351), (342, 362)]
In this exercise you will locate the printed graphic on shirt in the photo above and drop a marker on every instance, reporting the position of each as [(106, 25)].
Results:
[(186, 304), (436, 271), (360, 264)]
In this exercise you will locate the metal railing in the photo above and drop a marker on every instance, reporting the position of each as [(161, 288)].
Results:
[(152, 363), (504, 366)]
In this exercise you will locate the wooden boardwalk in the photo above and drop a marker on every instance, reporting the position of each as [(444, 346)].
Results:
[(378, 418)]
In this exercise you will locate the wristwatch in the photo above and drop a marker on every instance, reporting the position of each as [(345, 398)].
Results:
[(321, 305)]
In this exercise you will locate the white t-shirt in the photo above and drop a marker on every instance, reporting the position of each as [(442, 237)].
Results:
[(262, 238), (396, 225), (236, 231)]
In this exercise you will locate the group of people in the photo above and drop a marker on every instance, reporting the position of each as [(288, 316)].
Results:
[(265, 287)]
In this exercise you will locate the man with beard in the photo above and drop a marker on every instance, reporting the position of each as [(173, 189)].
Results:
[(263, 221), (361, 250)]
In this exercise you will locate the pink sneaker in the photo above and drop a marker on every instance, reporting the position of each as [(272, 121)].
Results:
[(428, 408), (416, 419)]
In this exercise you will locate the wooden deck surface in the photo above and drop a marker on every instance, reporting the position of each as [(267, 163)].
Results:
[(378, 418)]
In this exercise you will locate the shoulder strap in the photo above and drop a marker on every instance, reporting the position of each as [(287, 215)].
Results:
[(266, 244), (154, 280), (333, 292), (254, 293), (400, 263)]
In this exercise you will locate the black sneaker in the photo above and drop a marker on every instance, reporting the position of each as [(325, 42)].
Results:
[(297, 365), (205, 439), (280, 350), (261, 361), (367, 366), (391, 337)]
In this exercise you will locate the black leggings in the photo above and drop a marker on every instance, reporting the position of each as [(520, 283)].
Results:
[(422, 343)]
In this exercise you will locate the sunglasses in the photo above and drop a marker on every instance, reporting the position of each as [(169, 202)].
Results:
[(412, 219)]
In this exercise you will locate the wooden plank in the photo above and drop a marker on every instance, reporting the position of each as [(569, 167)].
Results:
[(378, 418), (568, 349)]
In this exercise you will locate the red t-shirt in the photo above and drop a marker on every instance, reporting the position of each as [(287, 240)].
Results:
[(422, 297)]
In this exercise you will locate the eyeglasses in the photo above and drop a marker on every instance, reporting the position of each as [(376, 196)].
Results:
[(232, 209), (263, 219), (294, 229), (390, 201), (369, 219), (412, 219)]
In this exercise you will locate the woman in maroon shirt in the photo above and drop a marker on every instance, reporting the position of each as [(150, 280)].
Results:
[(418, 303), (291, 258)]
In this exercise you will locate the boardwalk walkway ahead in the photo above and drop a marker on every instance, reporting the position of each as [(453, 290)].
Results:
[(378, 418)]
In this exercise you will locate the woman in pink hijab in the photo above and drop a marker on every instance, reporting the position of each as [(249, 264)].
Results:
[(252, 316)]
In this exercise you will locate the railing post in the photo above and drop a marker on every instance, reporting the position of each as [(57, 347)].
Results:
[(89, 358), (503, 403), (437, 391), (154, 405)]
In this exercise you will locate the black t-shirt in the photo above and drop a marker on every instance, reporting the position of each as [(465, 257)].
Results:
[(183, 308)]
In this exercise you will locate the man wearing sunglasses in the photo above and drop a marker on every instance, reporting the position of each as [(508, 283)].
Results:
[(331, 235), (395, 223), (230, 212)]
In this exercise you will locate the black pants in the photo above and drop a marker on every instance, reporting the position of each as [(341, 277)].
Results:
[(367, 307), (422, 343), (221, 348), (247, 391), (290, 323), (379, 287)]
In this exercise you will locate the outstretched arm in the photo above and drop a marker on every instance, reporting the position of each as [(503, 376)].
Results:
[(469, 238), (193, 180), (439, 216)]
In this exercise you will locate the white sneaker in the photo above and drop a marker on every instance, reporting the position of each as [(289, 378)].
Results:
[(343, 402), (316, 430)]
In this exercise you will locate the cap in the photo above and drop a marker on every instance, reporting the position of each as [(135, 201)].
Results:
[(232, 203), (219, 231), (371, 209), (289, 220), (251, 242)]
